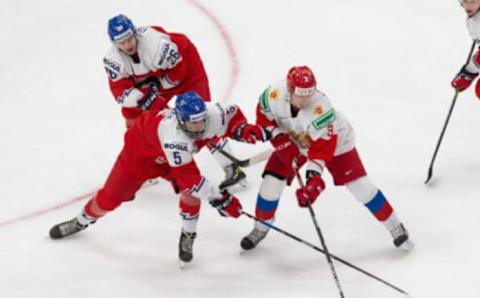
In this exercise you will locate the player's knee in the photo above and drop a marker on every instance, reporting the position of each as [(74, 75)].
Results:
[(362, 189), (271, 187), (189, 206)]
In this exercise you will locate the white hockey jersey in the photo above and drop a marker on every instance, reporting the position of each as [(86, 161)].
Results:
[(179, 149), (473, 26), (317, 124), (156, 53)]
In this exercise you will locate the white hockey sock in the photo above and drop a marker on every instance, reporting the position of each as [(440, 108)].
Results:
[(189, 225)]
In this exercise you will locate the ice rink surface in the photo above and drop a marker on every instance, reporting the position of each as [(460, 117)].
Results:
[(386, 65)]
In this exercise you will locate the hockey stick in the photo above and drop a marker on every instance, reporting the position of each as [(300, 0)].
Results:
[(430, 168), (320, 235), (346, 263), (259, 157)]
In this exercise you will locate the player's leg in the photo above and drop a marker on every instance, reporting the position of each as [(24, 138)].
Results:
[(347, 169), (189, 213), (120, 186), (273, 183)]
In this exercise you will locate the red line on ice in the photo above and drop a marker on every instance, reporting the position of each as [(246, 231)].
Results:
[(231, 84)]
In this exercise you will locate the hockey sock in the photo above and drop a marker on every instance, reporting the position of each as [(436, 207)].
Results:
[(267, 200), (367, 193), (189, 212)]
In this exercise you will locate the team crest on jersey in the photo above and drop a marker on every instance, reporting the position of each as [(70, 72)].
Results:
[(300, 138), (274, 94), (318, 110)]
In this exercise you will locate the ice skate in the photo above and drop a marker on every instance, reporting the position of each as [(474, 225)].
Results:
[(401, 238), (185, 247), (67, 228), (235, 179), (251, 240)]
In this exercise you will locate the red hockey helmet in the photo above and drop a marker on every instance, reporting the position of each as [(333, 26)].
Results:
[(301, 81)]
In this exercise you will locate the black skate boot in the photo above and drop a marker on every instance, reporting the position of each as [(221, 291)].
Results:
[(233, 176), (185, 246), (401, 238), (251, 240), (67, 228)]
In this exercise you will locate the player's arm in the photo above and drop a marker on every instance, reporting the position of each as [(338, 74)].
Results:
[(168, 59), (239, 129), (264, 114), (189, 179), (134, 98)]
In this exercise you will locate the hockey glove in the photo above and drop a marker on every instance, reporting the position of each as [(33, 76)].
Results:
[(227, 205), (286, 149), (151, 81), (306, 196), (463, 79), (250, 133), (152, 97)]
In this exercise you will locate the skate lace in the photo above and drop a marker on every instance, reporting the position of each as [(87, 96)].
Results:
[(187, 241), (71, 226), (398, 231), (256, 235)]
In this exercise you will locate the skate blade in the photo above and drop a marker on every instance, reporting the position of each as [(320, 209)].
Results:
[(182, 265), (238, 187), (407, 246)]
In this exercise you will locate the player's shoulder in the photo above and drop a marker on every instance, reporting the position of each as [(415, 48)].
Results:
[(113, 62), (152, 33), (273, 95), (170, 134), (320, 112), (473, 26), (220, 113)]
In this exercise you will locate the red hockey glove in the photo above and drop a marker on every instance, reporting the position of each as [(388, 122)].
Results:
[(227, 205), (286, 149), (463, 79), (250, 133), (307, 196)]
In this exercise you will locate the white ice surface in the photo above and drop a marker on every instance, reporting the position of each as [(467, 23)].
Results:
[(386, 64)]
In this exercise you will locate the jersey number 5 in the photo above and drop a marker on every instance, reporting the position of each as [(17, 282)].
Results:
[(177, 158)]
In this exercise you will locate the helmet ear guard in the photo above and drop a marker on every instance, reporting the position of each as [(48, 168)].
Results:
[(190, 107), (301, 81)]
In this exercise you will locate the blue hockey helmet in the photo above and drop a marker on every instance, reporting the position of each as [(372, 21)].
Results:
[(120, 27), (190, 107)]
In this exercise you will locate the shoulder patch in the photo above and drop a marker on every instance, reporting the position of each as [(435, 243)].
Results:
[(324, 120), (318, 110), (264, 104), (274, 94)]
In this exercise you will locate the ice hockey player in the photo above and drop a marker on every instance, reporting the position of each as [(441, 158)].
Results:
[(147, 66), (469, 71), (305, 128), (162, 144)]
